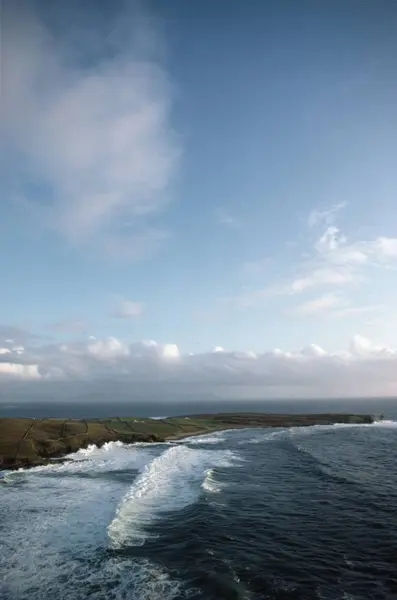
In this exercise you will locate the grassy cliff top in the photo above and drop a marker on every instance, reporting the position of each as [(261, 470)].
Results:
[(30, 442)]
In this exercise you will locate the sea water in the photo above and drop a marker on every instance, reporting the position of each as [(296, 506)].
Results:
[(294, 513)]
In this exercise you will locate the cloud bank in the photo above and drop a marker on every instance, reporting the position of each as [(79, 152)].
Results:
[(365, 369)]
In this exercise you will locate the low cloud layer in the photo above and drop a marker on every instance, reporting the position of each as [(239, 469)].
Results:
[(363, 370)]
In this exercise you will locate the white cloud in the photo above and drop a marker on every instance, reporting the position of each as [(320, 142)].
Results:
[(13, 364), (86, 119), (365, 369), (127, 309), (108, 349), (15, 370), (362, 346), (313, 350), (334, 248), (322, 276), (170, 352)]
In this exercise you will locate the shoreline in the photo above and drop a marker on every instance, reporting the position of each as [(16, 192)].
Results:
[(33, 442)]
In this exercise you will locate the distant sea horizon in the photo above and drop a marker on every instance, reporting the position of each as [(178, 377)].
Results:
[(162, 408)]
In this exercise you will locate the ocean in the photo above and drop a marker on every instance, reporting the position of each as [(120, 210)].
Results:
[(295, 513), (121, 405)]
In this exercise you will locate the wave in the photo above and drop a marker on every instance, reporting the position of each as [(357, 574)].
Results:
[(169, 483), (311, 429), (112, 456), (208, 438), (93, 449), (210, 483)]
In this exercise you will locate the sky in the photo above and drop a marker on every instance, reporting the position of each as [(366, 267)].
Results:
[(200, 193)]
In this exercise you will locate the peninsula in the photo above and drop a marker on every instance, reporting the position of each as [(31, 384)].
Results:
[(32, 442)]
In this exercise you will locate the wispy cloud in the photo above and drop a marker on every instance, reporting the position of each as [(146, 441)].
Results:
[(325, 216), (86, 119), (127, 309), (318, 305), (332, 306), (334, 261), (321, 276)]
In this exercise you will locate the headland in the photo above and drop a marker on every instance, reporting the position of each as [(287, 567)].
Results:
[(33, 442)]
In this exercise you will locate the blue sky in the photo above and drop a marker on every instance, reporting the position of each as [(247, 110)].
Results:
[(200, 174)]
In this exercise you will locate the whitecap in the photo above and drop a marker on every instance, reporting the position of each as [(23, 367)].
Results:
[(112, 456), (384, 423), (205, 439)]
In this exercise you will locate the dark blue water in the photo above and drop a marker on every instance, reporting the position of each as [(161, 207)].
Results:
[(81, 409), (299, 513)]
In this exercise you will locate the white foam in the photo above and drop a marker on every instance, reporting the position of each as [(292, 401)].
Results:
[(169, 483), (132, 578), (66, 518), (112, 456), (139, 579), (205, 439), (384, 423), (210, 484), (93, 449), (214, 437)]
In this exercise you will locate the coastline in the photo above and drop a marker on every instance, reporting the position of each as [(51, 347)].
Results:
[(27, 443)]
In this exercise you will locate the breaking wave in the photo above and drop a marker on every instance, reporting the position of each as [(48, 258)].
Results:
[(112, 456), (170, 482)]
